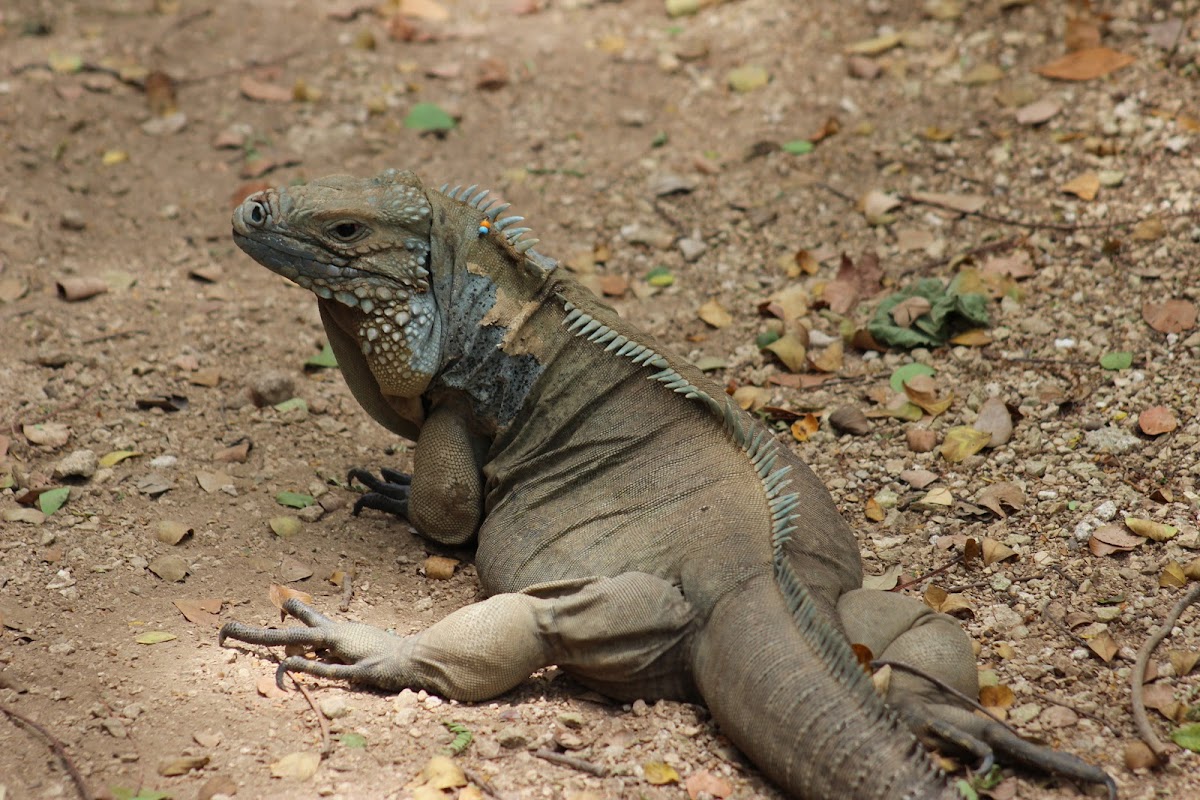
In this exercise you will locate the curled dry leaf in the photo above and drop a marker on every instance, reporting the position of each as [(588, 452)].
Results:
[(1158, 531), (715, 314), (920, 440), (921, 389), (254, 89), (996, 696), (885, 582), (941, 601), (790, 350), (1170, 316), (849, 419), (962, 203), (75, 289), (170, 568), (1038, 112), (907, 311), (788, 304), (804, 427), (296, 766), (1104, 645), (278, 594), (828, 360), (875, 206), (999, 495), (1139, 756), (994, 551), (170, 531), (1109, 539), (751, 398), (440, 568), (1157, 420)]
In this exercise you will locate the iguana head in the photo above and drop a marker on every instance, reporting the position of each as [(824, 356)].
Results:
[(362, 245)]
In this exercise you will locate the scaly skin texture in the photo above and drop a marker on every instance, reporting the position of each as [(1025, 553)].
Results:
[(632, 524)]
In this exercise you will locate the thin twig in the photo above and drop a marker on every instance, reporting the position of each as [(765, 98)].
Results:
[(572, 762), (326, 741), (78, 401), (945, 567), (1138, 677), (480, 781), (941, 684), (56, 746), (104, 337)]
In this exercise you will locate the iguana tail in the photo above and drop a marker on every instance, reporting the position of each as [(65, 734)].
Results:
[(792, 696)]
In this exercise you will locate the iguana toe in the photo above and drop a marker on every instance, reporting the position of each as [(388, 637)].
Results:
[(390, 495)]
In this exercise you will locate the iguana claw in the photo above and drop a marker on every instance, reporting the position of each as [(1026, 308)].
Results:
[(390, 495)]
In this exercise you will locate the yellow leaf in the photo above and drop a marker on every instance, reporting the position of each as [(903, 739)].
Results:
[(874, 511), (791, 351), (116, 457), (805, 427), (659, 773), (962, 442), (441, 772), (1103, 645), (1158, 531), (296, 766), (976, 337), (998, 696), (113, 157), (1172, 576), (715, 314), (875, 46)]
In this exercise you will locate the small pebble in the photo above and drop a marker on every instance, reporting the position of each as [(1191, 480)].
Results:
[(79, 464)]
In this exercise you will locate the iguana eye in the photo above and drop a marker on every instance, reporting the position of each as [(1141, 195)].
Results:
[(347, 231)]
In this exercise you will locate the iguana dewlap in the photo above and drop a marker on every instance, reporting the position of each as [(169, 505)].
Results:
[(632, 524)]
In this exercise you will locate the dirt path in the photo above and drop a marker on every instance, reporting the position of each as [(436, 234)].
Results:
[(614, 129)]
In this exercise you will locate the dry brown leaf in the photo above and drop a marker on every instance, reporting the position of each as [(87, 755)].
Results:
[(918, 478), (715, 314), (1109, 539), (876, 206), (999, 495), (875, 46), (1184, 661), (849, 419), (788, 304), (1149, 230), (873, 511), (200, 611), (994, 551), (954, 604), (1157, 420), (908, 310), (1103, 645), (1192, 569), (1017, 264), (1083, 30), (296, 766), (962, 203), (1038, 112), (428, 10), (279, 593), (854, 282), (1085, 187), (75, 289), (888, 580), (921, 390), (997, 696), (1170, 316), (264, 92), (1158, 531), (751, 398), (169, 531), (709, 784), (615, 285), (1085, 65), (440, 568), (1139, 756)]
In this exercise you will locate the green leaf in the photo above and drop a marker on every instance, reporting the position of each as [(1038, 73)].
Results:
[(428, 117), (966, 790), (294, 499), (155, 637), (462, 737), (1122, 359), (121, 793), (355, 741), (766, 338), (291, 404), (660, 277), (322, 360), (1187, 737), (950, 313), (907, 373), (53, 500), (659, 139), (798, 147)]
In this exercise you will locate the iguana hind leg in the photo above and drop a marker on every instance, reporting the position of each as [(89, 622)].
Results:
[(622, 635), (905, 630)]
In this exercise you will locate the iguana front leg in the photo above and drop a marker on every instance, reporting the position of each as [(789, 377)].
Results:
[(443, 498), (625, 636), (905, 630)]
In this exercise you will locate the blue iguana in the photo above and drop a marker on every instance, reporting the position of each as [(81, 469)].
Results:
[(632, 525)]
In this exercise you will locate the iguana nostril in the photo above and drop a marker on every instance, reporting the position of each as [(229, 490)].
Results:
[(257, 214)]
